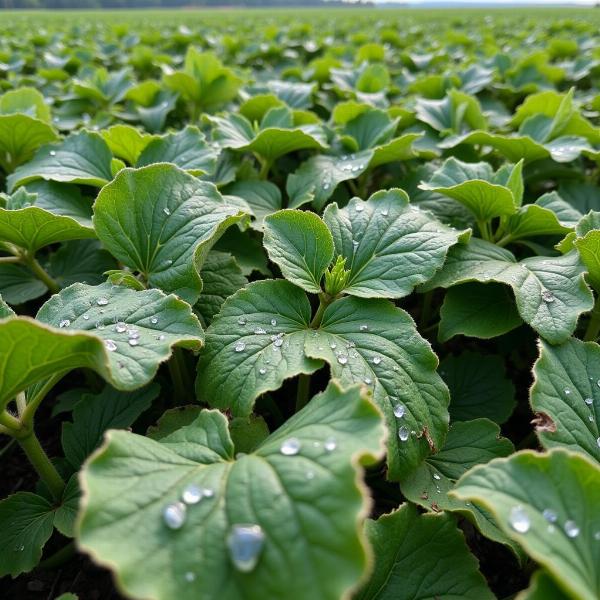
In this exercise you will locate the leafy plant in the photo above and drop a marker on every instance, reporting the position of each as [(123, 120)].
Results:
[(299, 310)]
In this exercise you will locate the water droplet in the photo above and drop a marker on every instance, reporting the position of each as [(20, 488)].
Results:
[(385, 212), (326, 185), (64, 323), (590, 418), (359, 207), (99, 325), (273, 322), (134, 342), (110, 345), (160, 337), (368, 380), (403, 433), (262, 370), (260, 331), (166, 211), (168, 262), (519, 520), (333, 345), (154, 320), (245, 543), (589, 401), (242, 320), (121, 327), (567, 391), (330, 444), (174, 515), (86, 317), (364, 327), (550, 515), (278, 342), (571, 529), (597, 536), (290, 447), (133, 334), (598, 383), (342, 359), (399, 410), (598, 442), (547, 296), (189, 576), (102, 301), (240, 347), (52, 152), (208, 493), (436, 476), (376, 360), (310, 475), (192, 494)]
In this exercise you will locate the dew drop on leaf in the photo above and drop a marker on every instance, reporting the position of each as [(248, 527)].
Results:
[(399, 410), (174, 515), (436, 476), (208, 493), (547, 296), (166, 211), (240, 347), (102, 301), (589, 401), (192, 494), (189, 576), (245, 543), (241, 320), (330, 444), (342, 359), (519, 519), (571, 529), (403, 433), (134, 342), (154, 320), (290, 447), (64, 323), (110, 345), (121, 327), (376, 360), (364, 327), (550, 515)]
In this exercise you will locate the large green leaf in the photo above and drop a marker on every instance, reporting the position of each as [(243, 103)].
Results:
[(187, 149), (566, 395), (18, 284), (421, 556), (20, 136), (138, 328), (469, 443), (542, 587), (476, 310), (475, 186), (389, 246), (83, 157), (161, 221), (299, 491), (5, 309), (262, 197), (550, 504), (254, 344), (550, 292), (126, 142), (301, 245)]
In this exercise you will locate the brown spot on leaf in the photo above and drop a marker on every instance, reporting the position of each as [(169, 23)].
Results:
[(424, 495), (435, 507), (543, 422)]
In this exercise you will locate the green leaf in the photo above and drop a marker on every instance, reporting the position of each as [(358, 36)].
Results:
[(94, 414), (517, 491), (542, 587), (83, 158), (301, 245), (5, 310), (110, 317), (588, 247), (18, 284), (315, 493), (187, 149), (374, 343), (32, 228), (476, 310), (20, 137), (566, 396), (550, 292), (389, 246), (221, 277), (262, 197), (127, 142), (478, 387), (161, 221), (468, 444), (473, 185), (247, 433), (421, 556), (26, 524), (254, 344), (25, 100)]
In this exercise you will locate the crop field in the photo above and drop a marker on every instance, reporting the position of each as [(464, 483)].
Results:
[(300, 305)]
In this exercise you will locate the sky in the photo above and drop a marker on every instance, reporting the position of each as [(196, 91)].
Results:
[(513, 2)]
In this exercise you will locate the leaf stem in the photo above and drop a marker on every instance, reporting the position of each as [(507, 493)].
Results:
[(36, 399), (265, 166), (21, 403), (303, 391), (9, 259), (11, 423), (324, 301), (507, 239), (42, 464), (593, 328), (30, 260)]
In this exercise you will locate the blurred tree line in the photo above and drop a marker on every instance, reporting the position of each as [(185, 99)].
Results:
[(91, 4)]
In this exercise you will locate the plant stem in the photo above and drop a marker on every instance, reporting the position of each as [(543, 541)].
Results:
[(36, 399), (10, 422), (324, 302), (303, 391), (21, 403), (179, 374), (41, 273), (265, 167), (42, 464), (9, 259), (507, 239), (593, 328)]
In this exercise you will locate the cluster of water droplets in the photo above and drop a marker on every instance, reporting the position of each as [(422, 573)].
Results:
[(351, 166), (520, 521), (175, 514)]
